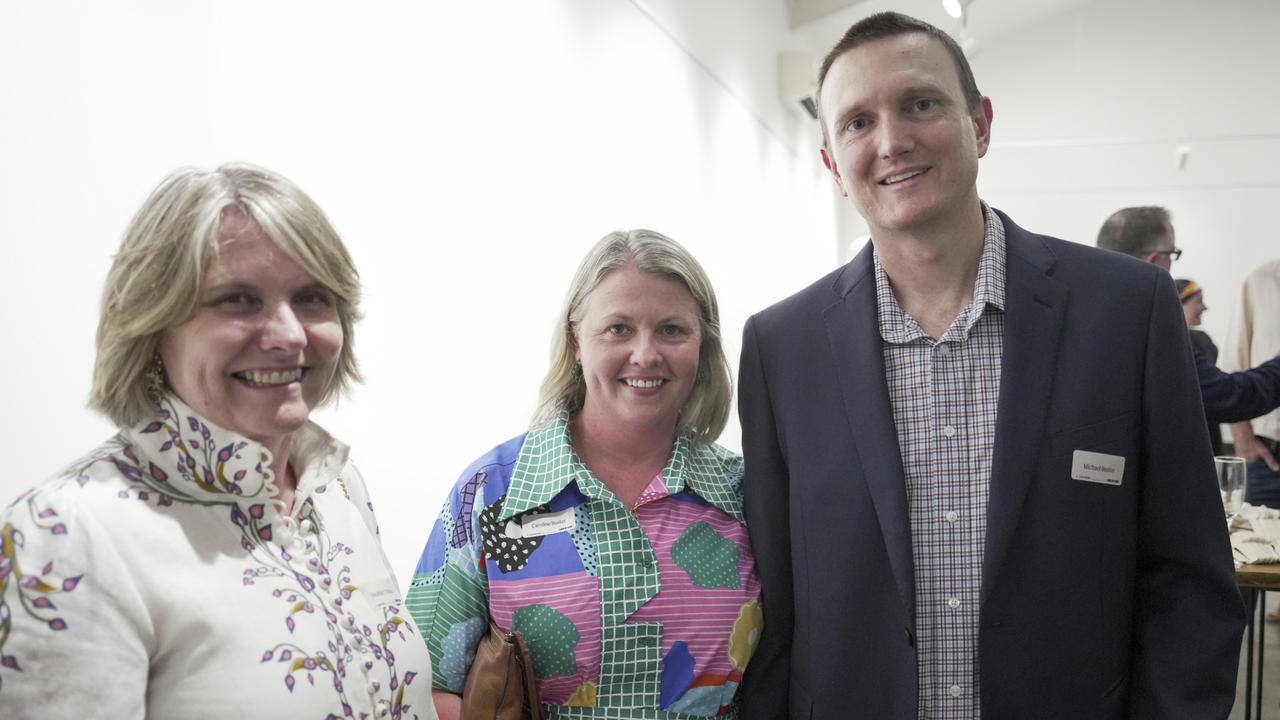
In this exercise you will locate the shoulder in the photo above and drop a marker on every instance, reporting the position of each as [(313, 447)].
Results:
[(809, 302), (1092, 271), (102, 473), (718, 477), (493, 469), (56, 515), (728, 461)]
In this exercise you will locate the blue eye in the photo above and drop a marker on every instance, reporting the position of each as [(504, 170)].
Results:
[(857, 124)]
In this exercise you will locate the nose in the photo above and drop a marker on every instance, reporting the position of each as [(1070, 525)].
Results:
[(644, 351), (281, 330), (893, 138)]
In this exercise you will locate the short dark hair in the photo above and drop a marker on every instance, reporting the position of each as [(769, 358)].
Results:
[(892, 24), (1135, 231)]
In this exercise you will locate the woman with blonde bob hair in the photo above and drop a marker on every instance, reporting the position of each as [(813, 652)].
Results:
[(218, 557), (611, 534)]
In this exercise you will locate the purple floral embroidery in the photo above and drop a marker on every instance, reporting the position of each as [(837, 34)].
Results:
[(33, 592), (178, 460)]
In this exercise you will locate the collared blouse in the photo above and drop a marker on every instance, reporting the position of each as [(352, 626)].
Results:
[(157, 577), (643, 612)]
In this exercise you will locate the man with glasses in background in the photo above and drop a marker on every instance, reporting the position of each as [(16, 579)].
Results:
[(1147, 233)]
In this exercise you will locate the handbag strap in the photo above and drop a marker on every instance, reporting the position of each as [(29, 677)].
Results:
[(525, 661)]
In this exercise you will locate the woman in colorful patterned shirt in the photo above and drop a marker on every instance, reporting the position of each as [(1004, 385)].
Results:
[(218, 558), (611, 534)]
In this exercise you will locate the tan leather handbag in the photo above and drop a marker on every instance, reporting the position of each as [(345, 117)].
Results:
[(501, 684)]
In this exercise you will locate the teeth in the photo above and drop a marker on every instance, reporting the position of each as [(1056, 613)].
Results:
[(633, 382), (273, 377), (899, 178)]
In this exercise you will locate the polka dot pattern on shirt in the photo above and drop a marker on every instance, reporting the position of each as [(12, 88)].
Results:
[(551, 637), (710, 558)]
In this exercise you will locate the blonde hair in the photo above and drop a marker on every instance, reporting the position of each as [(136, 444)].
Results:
[(706, 411), (155, 277)]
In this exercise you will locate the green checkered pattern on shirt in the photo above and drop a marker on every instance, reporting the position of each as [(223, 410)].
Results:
[(631, 653)]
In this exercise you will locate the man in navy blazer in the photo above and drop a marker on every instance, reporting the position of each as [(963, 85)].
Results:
[(978, 480)]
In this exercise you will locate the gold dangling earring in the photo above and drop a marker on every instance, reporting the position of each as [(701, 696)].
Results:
[(156, 387)]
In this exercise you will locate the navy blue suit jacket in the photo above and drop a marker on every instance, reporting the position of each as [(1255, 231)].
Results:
[(1098, 601)]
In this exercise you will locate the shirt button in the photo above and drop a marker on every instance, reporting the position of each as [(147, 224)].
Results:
[(952, 516), (948, 430), (954, 691), (953, 603), (372, 688), (646, 561), (944, 349), (306, 527), (383, 708)]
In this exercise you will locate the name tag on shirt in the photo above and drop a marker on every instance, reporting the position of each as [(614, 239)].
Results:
[(380, 591), (542, 524), (1097, 467)]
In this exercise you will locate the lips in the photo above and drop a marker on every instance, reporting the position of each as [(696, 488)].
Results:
[(902, 176), (269, 378)]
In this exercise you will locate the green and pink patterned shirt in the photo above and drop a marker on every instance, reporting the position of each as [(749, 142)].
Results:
[(644, 612)]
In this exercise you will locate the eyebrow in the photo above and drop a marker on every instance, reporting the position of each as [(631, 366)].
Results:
[(242, 286), (613, 317), (910, 91)]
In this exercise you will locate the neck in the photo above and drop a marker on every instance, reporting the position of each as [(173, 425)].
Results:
[(932, 273), (624, 457), (286, 481)]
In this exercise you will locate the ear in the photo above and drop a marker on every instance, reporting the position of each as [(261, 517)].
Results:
[(982, 125), (833, 169)]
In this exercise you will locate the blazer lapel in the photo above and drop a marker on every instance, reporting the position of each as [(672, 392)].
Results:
[(1035, 306), (854, 332)]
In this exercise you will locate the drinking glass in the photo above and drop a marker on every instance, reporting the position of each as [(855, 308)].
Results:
[(1231, 482)]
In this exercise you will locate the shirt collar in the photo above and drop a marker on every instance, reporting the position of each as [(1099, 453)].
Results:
[(988, 287), (198, 461), (548, 464)]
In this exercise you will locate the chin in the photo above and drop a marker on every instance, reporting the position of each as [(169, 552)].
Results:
[(284, 421)]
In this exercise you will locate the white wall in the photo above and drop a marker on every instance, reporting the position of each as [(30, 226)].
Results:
[(1091, 107), (469, 153)]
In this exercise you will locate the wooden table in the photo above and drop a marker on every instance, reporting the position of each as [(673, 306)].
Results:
[(1258, 579)]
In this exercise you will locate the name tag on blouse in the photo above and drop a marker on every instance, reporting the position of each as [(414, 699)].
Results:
[(1097, 467), (381, 591), (542, 524)]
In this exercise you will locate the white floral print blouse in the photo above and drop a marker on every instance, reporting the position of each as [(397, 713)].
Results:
[(157, 578)]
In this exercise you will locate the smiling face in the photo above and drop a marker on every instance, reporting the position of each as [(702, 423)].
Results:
[(904, 145), (260, 351), (638, 341)]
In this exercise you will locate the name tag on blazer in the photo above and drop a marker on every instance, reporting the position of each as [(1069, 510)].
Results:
[(1097, 467)]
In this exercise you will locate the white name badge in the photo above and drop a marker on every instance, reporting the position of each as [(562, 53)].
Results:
[(1097, 467), (381, 591), (542, 524)]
